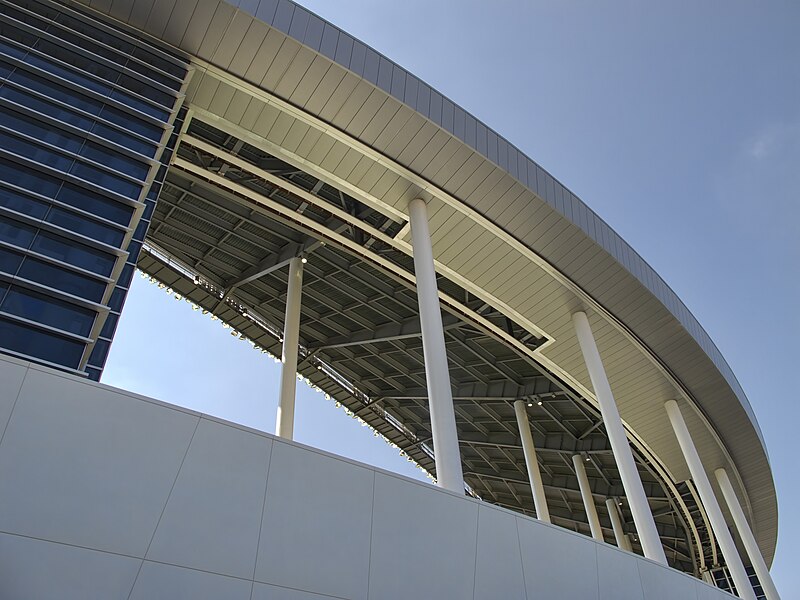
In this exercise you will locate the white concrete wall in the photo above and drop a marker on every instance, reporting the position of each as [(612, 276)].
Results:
[(105, 494)]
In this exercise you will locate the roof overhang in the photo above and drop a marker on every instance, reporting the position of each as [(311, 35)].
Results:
[(502, 227)]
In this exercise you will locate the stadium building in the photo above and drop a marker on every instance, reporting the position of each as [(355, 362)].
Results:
[(587, 438)]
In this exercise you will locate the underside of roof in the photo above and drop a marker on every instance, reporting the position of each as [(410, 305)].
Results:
[(303, 140)]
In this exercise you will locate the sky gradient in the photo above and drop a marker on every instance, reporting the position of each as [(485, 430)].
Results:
[(679, 124)]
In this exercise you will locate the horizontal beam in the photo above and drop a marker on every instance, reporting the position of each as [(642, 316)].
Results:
[(409, 328)]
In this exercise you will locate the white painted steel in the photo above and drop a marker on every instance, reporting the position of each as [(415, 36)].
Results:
[(709, 499), (634, 491), (531, 462), (437, 375), (588, 499), (284, 426), (616, 524), (746, 535)]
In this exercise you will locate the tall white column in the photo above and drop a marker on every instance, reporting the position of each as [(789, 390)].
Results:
[(437, 375), (534, 476), (616, 524), (588, 499), (746, 535), (634, 491), (284, 427), (709, 500)]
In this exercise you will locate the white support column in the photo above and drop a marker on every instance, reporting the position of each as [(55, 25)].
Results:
[(437, 374), (588, 499), (709, 500), (534, 476), (284, 426), (616, 523), (634, 491), (746, 535)]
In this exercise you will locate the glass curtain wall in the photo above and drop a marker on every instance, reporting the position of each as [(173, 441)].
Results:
[(89, 116)]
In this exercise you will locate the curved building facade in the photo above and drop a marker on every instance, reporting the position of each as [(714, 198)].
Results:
[(399, 255)]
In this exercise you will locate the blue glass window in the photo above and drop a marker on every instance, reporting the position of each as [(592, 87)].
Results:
[(24, 177), (95, 204), (107, 180), (40, 131), (40, 344), (23, 204), (34, 152), (49, 311), (85, 226), (68, 74), (9, 261), (62, 279), (47, 108), (100, 353), (74, 253), (56, 91), (115, 160), (16, 233), (110, 326)]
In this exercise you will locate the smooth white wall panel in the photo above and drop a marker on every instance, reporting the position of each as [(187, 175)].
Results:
[(12, 373), (618, 574), (93, 468), (423, 541), (263, 591), (213, 516), (317, 521), (89, 466), (32, 569), (708, 592), (498, 568), (557, 563), (662, 583), (165, 582)]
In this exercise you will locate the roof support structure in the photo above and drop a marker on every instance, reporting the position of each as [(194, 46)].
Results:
[(443, 420), (696, 468), (645, 524)]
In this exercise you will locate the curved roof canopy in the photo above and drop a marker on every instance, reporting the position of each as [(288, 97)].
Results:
[(301, 139)]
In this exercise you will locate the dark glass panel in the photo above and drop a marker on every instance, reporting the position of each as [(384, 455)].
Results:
[(12, 32), (99, 353), (74, 253), (40, 131), (34, 152), (39, 344), (16, 233), (49, 311), (24, 177), (140, 105), (115, 160), (9, 261), (106, 180), (47, 108), (117, 299), (12, 50), (62, 279), (110, 326), (23, 204), (124, 139), (85, 226), (95, 204), (126, 276), (57, 91), (131, 123), (5, 69), (68, 74)]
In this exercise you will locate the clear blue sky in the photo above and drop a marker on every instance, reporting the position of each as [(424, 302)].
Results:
[(679, 123)]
